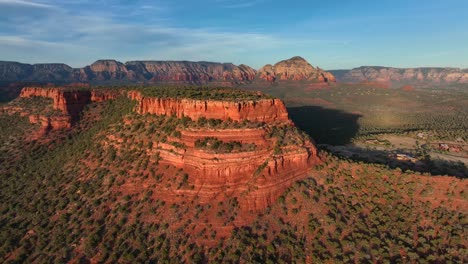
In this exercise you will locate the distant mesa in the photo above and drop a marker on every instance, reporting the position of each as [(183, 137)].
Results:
[(294, 69), (177, 72), (402, 75)]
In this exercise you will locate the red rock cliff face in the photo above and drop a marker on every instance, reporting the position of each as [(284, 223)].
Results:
[(69, 102), (264, 110), (294, 69), (256, 177)]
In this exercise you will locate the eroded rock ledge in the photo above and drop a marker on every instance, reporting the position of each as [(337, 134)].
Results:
[(264, 110)]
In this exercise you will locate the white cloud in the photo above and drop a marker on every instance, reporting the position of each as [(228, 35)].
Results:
[(25, 3), (79, 38)]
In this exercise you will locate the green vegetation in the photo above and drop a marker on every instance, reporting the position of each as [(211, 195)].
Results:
[(338, 114), (99, 192), (218, 146), (356, 216), (36, 105), (201, 93), (287, 135)]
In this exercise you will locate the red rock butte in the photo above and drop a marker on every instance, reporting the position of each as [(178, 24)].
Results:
[(256, 177)]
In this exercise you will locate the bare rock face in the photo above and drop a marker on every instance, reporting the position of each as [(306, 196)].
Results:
[(48, 123), (257, 178), (264, 110), (294, 69), (70, 103), (403, 75)]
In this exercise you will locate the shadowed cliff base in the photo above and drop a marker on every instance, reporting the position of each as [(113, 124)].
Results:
[(326, 126)]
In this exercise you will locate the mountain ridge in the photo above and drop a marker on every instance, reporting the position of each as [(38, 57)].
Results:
[(402, 75), (153, 71)]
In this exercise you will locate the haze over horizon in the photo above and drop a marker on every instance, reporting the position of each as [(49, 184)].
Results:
[(329, 34)]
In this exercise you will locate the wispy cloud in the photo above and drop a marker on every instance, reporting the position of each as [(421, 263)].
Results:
[(25, 3), (77, 33), (62, 34)]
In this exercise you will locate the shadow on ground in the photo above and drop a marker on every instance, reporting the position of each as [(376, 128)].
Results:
[(325, 126), (337, 128)]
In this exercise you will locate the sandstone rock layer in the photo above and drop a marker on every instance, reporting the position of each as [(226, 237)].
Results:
[(264, 110)]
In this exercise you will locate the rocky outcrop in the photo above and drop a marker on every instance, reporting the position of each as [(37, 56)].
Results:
[(262, 110), (294, 69), (48, 123), (69, 102), (255, 136), (255, 176), (402, 75)]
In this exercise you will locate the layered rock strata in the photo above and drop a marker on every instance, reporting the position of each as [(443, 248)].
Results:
[(256, 177), (264, 110)]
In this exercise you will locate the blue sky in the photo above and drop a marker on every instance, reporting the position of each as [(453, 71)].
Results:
[(332, 34)]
